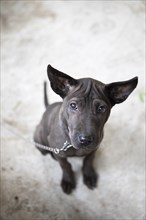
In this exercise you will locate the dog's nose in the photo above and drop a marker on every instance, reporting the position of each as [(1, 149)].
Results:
[(85, 140)]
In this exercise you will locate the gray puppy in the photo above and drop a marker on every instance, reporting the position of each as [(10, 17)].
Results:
[(78, 121)]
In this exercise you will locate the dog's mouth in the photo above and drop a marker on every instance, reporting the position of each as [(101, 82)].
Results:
[(82, 140), (86, 141), (85, 147), (83, 143)]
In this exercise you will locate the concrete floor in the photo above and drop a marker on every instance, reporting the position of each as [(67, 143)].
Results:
[(101, 39)]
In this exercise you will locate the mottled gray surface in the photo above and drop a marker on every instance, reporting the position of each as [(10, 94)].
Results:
[(100, 39)]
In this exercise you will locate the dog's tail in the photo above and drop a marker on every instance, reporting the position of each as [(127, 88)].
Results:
[(45, 95)]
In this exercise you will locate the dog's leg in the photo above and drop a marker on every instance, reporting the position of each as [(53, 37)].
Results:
[(68, 179), (89, 174)]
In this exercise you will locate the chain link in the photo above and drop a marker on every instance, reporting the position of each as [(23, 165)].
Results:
[(65, 147)]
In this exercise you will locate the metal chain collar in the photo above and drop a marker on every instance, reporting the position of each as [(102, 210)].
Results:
[(56, 150)]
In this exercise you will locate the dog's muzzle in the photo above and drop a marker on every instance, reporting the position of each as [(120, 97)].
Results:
[(85, 140), (82, 140)]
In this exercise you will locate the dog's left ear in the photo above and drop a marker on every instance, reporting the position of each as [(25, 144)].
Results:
[(60, 82), (119, 91)]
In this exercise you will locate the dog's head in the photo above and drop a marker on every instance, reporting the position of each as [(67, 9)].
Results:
[(87, 105)]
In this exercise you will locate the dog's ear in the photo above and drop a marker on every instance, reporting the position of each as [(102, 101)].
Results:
[(60, 82), (119, 91)]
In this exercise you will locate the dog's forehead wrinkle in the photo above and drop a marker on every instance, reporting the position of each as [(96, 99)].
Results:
[(88, 88)]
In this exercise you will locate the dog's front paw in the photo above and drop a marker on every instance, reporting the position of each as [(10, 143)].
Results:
[(67, 185), (90, 180)]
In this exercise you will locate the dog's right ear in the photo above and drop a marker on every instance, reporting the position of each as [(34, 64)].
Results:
[(60, 82)]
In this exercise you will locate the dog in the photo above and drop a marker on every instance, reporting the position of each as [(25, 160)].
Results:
[(79, 121)]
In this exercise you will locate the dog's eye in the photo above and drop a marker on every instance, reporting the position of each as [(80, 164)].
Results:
[(73, 106), (101, 109)]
